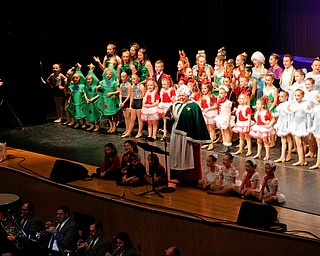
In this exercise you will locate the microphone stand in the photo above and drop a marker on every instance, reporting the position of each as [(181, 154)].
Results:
[(166, 189), (152, 177)]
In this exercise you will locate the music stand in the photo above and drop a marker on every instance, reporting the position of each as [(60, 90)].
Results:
[(166, 189), (152, 149)]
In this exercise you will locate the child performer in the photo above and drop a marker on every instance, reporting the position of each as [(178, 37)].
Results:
[(135, 172), (149, 110), (93, 114), (251, 179), (157, 170), (108, 102), (124, 97), (310, 96), (263, 128), (227, 179), (138, 91), (57, 81), (111, 166), (315, 130), (243, 123), (211, 174), (269, 191), (223, 119), (282, 125), (167, 98), (270, 94), (77, 99), (208, 105), (300, 125)]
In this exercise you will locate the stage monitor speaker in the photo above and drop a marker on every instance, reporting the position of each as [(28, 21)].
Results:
[(256, 215), (64, 172)]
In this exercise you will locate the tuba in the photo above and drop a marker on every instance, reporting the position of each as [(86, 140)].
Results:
[(12, 227)]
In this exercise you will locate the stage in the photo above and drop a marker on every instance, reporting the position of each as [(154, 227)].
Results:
[(198, 223)]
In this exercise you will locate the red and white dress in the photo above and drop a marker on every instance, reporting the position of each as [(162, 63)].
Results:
[(149, 114), (241, 125), (166, 96), (260, 130), (207, 102)]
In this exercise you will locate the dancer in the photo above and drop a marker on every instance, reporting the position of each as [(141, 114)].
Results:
[(300, 124), (211, 174), (269, 191), (167, 98), (223, 118), (93, 114), (281, 127), (315, 130), (57, 81), (149, 110), (228, 177), (208, 105), (263, 128), (243, 123)]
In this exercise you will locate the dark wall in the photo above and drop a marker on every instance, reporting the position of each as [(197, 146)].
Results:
[(68, 33)]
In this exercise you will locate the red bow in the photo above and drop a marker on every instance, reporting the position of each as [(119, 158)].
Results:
[(266, 99), (205, 81), (150, 78), (191, 80), (166, 76)]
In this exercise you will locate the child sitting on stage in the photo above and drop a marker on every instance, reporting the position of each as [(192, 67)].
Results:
[(134, 173)]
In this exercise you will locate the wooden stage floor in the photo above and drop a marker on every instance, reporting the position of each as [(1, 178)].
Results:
[(185, 201)]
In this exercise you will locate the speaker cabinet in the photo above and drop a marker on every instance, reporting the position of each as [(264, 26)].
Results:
[(64, 172), (256, 215)]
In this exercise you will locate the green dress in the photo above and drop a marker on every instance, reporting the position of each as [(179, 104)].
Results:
[(90, 109), (108, 105), (77, 101)]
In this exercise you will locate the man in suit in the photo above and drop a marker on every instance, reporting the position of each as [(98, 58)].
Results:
[(287, 75), (64, 236), (97, 244), (30, 224)]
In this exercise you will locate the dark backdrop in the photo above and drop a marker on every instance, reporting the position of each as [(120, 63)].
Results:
[(69, 32)]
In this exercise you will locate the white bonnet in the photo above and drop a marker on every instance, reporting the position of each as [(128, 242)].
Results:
[(258, 56), (184, 89)]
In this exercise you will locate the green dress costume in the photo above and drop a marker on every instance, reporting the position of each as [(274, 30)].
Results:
[(90, 109), (77, 98), (108, 105), (144, 71)]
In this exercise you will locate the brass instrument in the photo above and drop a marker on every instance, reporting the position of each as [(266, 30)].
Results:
[(8, 205), (12, 227)]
